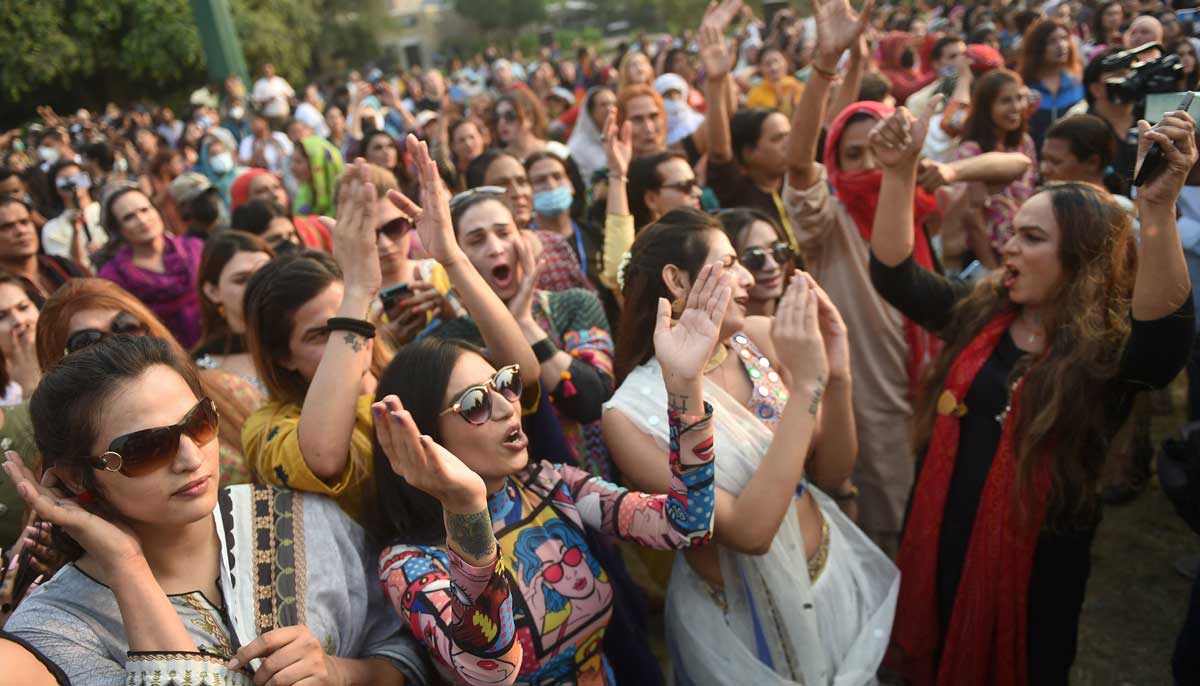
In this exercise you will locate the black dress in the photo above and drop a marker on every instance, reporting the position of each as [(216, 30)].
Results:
[(1155, 352)]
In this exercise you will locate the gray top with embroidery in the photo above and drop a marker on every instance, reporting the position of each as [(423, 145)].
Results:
[(75, 622)]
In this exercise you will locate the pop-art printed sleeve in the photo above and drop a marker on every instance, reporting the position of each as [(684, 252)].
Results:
[(463, 614), (680, 518)]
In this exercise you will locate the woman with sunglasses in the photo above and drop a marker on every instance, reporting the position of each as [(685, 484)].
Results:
[(171, 577), (568, 330), (793, 591), (488, 560), (86, 311), (415, 295), (229, 260), (316, 355), (763, 249), (158, 268), (519, 124)]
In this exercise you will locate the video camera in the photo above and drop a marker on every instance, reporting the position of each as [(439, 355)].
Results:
[(1159, 75)]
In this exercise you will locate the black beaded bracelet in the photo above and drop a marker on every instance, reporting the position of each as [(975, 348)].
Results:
[(361, 327), (544, 349)]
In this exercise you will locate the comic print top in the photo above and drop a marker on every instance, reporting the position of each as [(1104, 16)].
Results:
[(537, 615)]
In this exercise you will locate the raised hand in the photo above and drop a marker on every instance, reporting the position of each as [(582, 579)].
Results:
[(896, 141), (1175, 135), (618, 147), (796, 333), (833, 332), (425, 464), (530, 263), (722, 15), (113, 547), (682, 348), (715, 55), (433, 223), (838, 26), (354, 232)]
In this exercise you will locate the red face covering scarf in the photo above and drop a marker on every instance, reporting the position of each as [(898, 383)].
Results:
[(858, 191), (985, 644)]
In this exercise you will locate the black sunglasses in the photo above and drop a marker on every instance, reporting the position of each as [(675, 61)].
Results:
[(475, 403), (686, 187), (508, 116), (396, 228), (141, 452), (755, 258), (123, 323)]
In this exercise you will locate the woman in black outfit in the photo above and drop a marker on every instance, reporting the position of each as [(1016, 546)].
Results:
[(1040, 367)]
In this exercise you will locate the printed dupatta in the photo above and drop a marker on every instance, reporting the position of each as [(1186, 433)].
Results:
[(263, 564)]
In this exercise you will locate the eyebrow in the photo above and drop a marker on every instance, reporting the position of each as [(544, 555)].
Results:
[(1031, 227)]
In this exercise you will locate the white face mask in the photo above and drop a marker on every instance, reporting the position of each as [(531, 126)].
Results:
[(237, 112), (121, 165), (49, 155), (222, 164)]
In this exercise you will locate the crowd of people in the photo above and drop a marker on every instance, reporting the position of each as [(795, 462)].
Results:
[(424, 378)]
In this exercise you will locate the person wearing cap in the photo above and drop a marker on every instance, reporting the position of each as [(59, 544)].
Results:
[(260, 184), (199, 204)]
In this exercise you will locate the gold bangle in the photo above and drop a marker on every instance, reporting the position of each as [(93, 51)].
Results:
[(830, 74)]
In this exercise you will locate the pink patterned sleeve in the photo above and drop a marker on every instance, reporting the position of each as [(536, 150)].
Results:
[(463, 614), (680, 518)]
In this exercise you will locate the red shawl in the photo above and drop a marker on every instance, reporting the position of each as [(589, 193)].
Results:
[(311, 231), (858, 191), (985, 644)]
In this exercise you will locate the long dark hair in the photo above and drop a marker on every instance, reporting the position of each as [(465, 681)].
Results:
[(680, 238), (1089, 136), (478, 168), (273, 295), (738, 221), (1098, 34), (980, 127), (418, 375), (218, 251), (571, 170), (1087, 325)]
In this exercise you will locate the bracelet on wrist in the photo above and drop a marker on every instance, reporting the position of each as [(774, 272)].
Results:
[(830, 74), (360, 327), (619, 177), (544, 349)]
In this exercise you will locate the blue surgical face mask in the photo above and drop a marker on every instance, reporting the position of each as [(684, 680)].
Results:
[(553, 202), (222, 163)]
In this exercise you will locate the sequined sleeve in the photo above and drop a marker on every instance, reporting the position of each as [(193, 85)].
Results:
[(680, 518), (462, 613)]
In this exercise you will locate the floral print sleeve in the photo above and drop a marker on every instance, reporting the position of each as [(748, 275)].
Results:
[(681, 518), (462, 613)]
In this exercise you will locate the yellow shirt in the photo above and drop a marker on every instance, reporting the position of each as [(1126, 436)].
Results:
[(767, 95), (271, 443)]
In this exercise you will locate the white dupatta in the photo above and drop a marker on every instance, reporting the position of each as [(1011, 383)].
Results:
[(769, 598)]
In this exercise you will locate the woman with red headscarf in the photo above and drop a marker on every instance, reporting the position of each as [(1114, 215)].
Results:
[(260, 184), (898, 61), (833, 231)]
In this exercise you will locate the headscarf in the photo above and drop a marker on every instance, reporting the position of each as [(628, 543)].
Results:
[(239, 192), (222, 182), (905, 80), (858, 192), (312, 233), (587, 142), (682, 120), (316, 196)]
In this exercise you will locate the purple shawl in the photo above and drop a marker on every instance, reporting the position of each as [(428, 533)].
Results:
[(171, 295)]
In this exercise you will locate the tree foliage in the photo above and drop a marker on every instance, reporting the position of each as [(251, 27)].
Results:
[(84, 52)]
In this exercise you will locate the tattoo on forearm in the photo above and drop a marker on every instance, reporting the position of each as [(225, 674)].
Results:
[(677, 402), (354, 342), (472, 533), (816, 399)]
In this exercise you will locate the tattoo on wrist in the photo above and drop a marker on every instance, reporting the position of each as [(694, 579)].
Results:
[(472, 533), (816, 399), (355, 343), (677, 402)]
